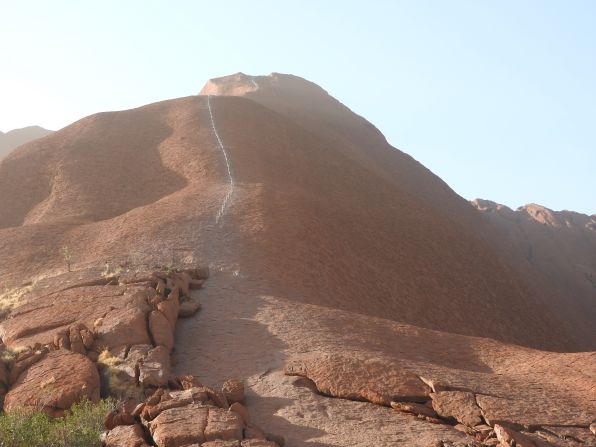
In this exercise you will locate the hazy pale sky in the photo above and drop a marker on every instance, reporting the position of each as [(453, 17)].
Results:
[(498, 98)]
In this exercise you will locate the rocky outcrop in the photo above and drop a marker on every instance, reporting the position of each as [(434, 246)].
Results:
[(54, 382), (517, 408), (189, 414), (82, 335), (124, 322), (72, 325)]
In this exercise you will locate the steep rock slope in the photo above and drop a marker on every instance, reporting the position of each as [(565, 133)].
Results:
[(313, 214), (14, 138), (328, 248), (559, 244)]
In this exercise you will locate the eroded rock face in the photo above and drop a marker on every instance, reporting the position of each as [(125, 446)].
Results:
[(542, 398), (125, 322), (370, 379), (128, 330), (54, 383)]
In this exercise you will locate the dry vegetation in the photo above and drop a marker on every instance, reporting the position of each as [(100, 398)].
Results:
[(81, 426), (11, 298)]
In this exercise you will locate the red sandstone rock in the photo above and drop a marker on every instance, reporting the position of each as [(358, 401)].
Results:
[(520, 408), (217, 397), (126, 436), (122, 327), (233, 389), (131, 363), (21, 365), (180, 426), (155, 369), (76, 341), (352, 378), (161, 330), (414, 408), (194, 423), (55, 383), (117, 417), (458, 405), (184, 281), (189, 307), (170, 309), (241, 410), (223, 425)]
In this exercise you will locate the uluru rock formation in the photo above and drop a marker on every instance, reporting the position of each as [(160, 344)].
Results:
[(362, 301), (14, 138), (561, 245)]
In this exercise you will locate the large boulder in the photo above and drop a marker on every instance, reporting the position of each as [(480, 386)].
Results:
[(161, 330), (180, 426), (126, 436), (122, 327), (54, 383), (155, 368), (194, 424)]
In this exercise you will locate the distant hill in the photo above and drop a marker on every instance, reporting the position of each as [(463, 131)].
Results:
[(16, 137)]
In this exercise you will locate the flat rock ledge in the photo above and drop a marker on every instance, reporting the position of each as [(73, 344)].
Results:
[(491, 409)]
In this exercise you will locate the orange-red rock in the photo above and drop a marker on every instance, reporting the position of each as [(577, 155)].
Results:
[(459, 405), (54, 383), (126, 436), (161, 331), (352, 378)]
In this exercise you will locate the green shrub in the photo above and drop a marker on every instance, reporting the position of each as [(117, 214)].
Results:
[(80, 427)]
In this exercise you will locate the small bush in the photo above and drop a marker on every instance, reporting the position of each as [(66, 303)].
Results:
[(81, 426), (114, 382)]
